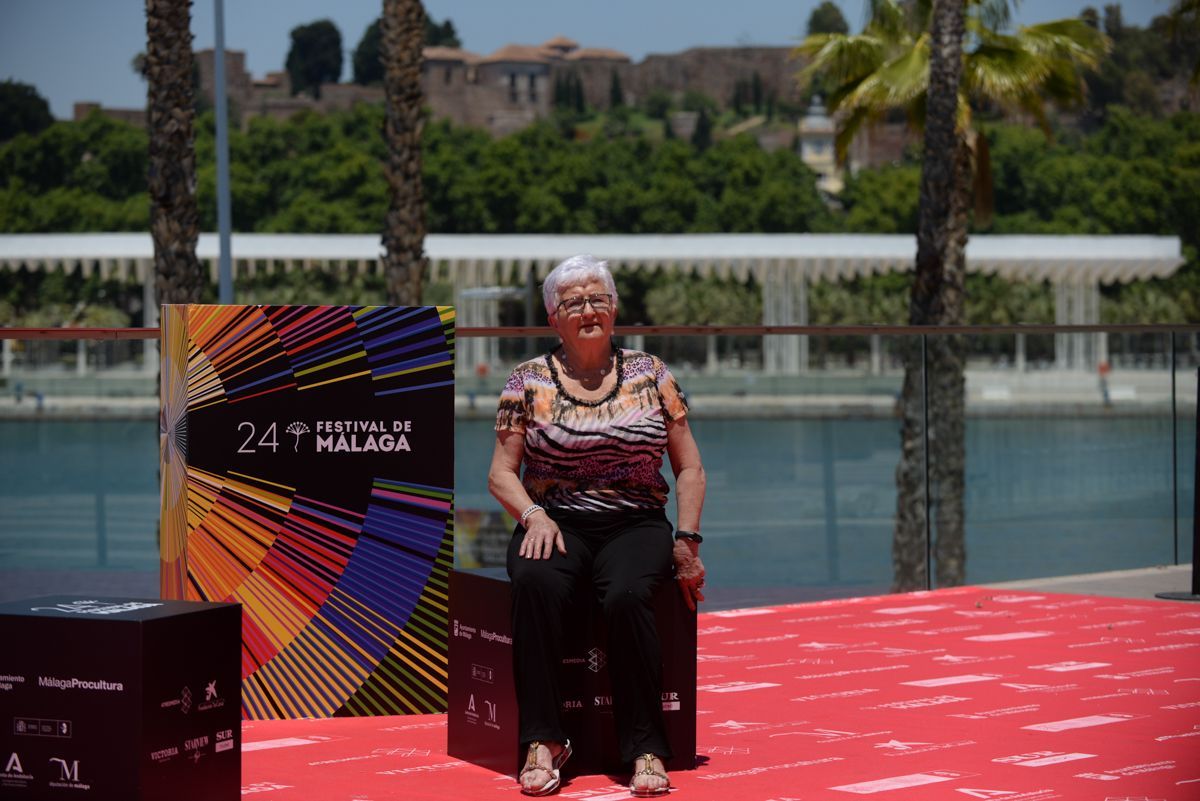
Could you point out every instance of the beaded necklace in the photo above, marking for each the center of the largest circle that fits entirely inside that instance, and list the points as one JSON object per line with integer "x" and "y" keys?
{"x": 620, "y": 360}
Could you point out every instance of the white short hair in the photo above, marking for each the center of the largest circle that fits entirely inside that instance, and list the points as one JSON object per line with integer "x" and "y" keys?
{"x": 576, "y": 270}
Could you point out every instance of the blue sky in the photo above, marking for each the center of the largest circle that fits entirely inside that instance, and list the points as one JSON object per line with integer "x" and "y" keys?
{"x": 75, "y": 50}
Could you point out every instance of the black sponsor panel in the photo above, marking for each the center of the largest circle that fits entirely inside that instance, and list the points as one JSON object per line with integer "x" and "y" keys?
{"x": 482, "y": 715}
{"x": 118, "y": 698}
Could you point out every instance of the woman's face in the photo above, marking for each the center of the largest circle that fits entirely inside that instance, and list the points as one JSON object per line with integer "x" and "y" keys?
{"x": 576, "y": 321}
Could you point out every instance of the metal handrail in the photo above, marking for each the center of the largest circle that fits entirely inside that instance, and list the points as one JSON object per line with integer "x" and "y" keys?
{"x": 687, "y": 330}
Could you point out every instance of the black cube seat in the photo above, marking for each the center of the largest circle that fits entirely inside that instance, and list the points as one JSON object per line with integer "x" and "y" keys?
{"x": 120, "y": 698}
{"x": 482, "y": 711}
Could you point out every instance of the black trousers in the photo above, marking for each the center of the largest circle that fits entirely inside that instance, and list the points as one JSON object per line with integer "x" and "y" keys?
{"x": 624, "y": 556}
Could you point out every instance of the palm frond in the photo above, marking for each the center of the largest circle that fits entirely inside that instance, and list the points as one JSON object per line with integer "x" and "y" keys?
{"x": 888, "y": 20}
{"x": 1067, "y": 39}
{"x": 995, "y": 14}
{"x": 848, "y": 129}
{"x": 1001, "y": 70}
{"x": 842, "y": 59}
{"x": 896, "y": 83}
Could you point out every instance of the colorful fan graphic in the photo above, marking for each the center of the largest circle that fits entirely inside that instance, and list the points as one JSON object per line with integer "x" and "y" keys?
{"x": 307, "y": 456}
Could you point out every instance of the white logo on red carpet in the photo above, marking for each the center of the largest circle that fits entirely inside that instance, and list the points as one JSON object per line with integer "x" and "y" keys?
{"x": 1068, "y": 666}
{"x": 997, "y": 713}
{"x": 725, "y": 658}
{"x": 1009, "y": 795}
{"x": 1103, "y": 641}
{"x": 264, "y": 787}
{"x": 839, "y": 694}
{"x": 900, "y": 748}
{"x": 817, "y": 618}
{"x": 736, "y": 686}
{"x": 1114, "y": 774}
{"x": 1125, "y": 692}
{"x": 1040, "y": 688}
{"x": 945, "y": 681}
{"x": 982, "y": 613}
{"x": 1116, "y": 624}
{"x": 945, "y": 630}
{"x": 892, "y": 651}
{"x": 825, "y": 736}
{"x": 1195, "y": 732}
{"x": 883, "y": 624}
{"x": 824, "y": 646}
{"x": 910, "y": 610}
{"x": 1085, "y": 722}
{"x": 735, "y": 725}
{"x": 1137, "y": 674}
{"x": 759, "y": 610}
{"x": 1009, "y": 636}
{"x": 804, "y": 660}
{"x": 920, "y": 703}
{"x": 1178, "y": 646}
{"x": 901, "y": 782}
{"x": 1041, "y": 759}
{"x": 899, "y": 745}
{"x": 1016, "y": 599}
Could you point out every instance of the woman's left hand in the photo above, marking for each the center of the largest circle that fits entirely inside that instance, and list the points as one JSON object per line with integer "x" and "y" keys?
{"x": 689, "y": 571}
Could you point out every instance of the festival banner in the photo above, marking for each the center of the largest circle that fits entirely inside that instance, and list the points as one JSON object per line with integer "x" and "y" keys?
{"x": 307, "y": 473}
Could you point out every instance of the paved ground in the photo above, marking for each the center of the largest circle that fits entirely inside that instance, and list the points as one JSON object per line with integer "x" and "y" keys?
{"x": 1143, "y": 583}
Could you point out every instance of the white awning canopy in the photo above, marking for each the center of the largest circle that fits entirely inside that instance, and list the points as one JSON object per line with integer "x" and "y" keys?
{"x": 470, "y": 260}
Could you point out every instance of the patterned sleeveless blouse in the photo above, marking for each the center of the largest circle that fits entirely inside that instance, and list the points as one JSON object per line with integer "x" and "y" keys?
{"x": 593, "y": 456}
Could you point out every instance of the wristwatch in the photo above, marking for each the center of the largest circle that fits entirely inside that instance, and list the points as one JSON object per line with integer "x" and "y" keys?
{"x": 694, "y": 536}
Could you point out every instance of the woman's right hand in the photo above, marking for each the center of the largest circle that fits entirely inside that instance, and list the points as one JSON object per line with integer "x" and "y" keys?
{"x": 541, "y": 537}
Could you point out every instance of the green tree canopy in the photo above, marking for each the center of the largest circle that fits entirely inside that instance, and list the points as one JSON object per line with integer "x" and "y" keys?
{"x": 441, "y": 35}
{"x": 827, "y": 18}
{"x": 22, "y": 110}
{"x": 315, "y": 56}
{"x": 367, "y": 66}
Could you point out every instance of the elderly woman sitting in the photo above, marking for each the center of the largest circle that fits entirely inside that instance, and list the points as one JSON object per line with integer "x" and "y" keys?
{"x": 590, "y": 422}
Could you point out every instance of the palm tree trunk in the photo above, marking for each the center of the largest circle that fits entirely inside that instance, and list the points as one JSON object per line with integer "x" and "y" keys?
{"x": 403, "y": 35}
{"x": 937, "y": 299}
{"x": 174, "y": 220}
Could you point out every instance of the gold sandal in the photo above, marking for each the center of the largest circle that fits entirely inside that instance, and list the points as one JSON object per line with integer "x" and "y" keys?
{"x": 556, "y": 763}
{"x": 648, "y": 770}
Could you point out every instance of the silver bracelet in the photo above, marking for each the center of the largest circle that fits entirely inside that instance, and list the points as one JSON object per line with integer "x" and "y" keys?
{"x": 533, "y": 508}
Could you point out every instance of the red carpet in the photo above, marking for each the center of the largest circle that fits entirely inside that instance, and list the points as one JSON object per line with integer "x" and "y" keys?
{"x": 955, "y": 694}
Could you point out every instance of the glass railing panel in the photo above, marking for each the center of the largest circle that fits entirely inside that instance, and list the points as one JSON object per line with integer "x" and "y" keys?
{"x": 79, "y": 500}
{"x": 800, "y": 460}
{"x": 1187, "y": 377}
{"x": 1068, "y": 464}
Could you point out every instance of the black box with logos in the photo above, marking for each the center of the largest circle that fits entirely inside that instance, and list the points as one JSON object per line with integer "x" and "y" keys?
{"x": 482, "y": 708}
{"x": 118, "y": 698}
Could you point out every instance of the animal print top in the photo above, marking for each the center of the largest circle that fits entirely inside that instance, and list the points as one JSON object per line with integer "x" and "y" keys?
{"x": 585, "y": 457}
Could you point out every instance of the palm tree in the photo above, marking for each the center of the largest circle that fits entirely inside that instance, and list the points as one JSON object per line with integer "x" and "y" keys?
{"x": 174, "y": 220}
{"x": 933, "y": 58}
{"x": 403, "y": 28}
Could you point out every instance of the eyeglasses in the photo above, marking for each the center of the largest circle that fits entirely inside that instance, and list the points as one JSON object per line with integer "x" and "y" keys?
{"x": 599, "y": 303}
